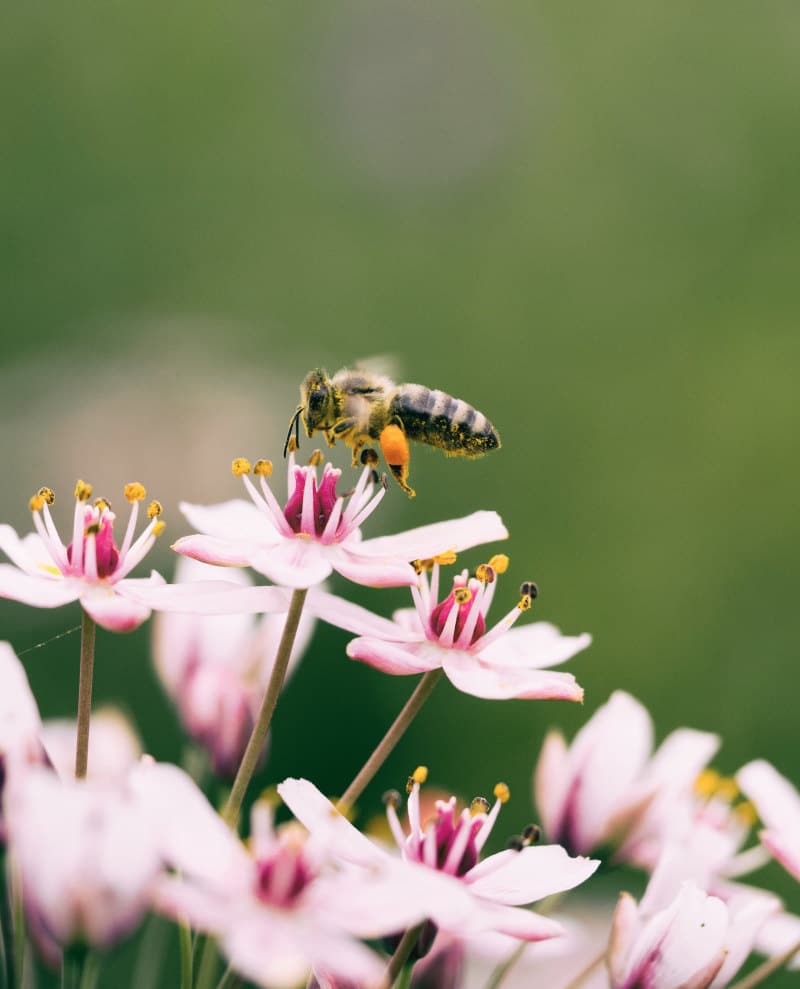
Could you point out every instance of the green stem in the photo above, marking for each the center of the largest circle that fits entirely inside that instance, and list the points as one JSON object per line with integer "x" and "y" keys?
{"x": 410, "y": 710}
{"x": 91, "y": 971}
{"x": 229, "y": 980}
{"x": 185, "y": 940}
{"x": 147, "y": 970}
{"x": 584, "y": 974}
{"x": 498, "y": 976}
{"x": 758, "y": 975}
{"x": 6, "y": 925}
{"x": 400, "y": 957}
{"x": 18, "y": 922}
{"x": 85, "y": 694}
{"x": 255, "y": 745}
{"x": 207, "y": 969}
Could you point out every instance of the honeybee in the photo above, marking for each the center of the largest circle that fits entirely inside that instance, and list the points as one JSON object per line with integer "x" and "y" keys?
{"x": 361, "y": 407}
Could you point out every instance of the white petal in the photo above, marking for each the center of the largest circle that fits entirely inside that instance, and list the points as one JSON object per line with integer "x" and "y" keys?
{"x": 428, "y": 541}
{"x": 551, "y": 782}
{"x": 520, "y": 877}
{"x": 353, "y": 618}
{"x": 19, "y": 716}
{"x": 395, "y": 657}
{"x": 465, "y": 671}
{"x": 112, "y": 609}
{"x": 372, "y": 571}
{"x": 231, "y": 520}
{"x": 534, "y": 647}
{"x": 777, "y": 800}
{"x": 296, "y": 563}
{"x": 41, "y": 592}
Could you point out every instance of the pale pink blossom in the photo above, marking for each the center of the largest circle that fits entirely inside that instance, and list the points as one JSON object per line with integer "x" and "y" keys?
{"x": 609, "y": 787}
{"x": 216, "y": 667}
{"x": 317, "y": 531}
{"x": 496, "y": 663}
{"x": 278, "y": 907}
{"x": 679, "y": 935}
{"x": 778, "y": 804}
{"x": 439, "y": 873}
{"x": 114, "y": 751}
{"x": 92, "y": 568}
{"x": 87, "y": 853}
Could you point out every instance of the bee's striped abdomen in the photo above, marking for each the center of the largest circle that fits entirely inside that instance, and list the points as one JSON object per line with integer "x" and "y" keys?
{"x": 436, "y": 418}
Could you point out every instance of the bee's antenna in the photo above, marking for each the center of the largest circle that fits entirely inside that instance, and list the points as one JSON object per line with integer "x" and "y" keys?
{"x": 294, "y": 422}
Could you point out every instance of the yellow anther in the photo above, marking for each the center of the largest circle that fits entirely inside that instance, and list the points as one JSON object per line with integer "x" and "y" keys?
{"x": 270, "y": 796}
{"x": 499, "y": 563}
{"x": 48, "y": 494}
{"x": 479, "y": 805}
{"x": 446, "y": 559}
{"x": 525, "y": 602}
{"x": 135, "y": 492}
{"x": 462, "y": 594}
{"x": 420, "y": 774}
{"x": 83, "y": 491}
{"x": 291, "y": 446}
{"x": 240, "y": 466}
{"x": 262, "y": 468}
{"x": 102, "y": 505}
{"x": 316, "y": 459}
{"x": 727, "y": 790}
{"x": 707, "y": 782}
{"x": 159, "y": 527}
{"x": 747, "y": 813}
{"x": 37, "y": 503}
{"x": 485, "y": 573}
{"x": 502, "y": 792}
{"x": 154, "y": 509}
{"x": 419, "y": 566}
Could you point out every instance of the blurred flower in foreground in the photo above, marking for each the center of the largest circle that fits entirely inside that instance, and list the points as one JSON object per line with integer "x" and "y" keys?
{"x": 87, "y": 853}
{"x": 439, "y": 873}
{"x": 277, "y": 908}
{"x": 300, "y": 544}
{"x": 216, "y": 668}
{"x": 452, "y": 634}
{"x": 778, "y": 805}
{"x": 115, "y": 747}
{"x": 607, "y": 787}
{"x": 91, "y": 568}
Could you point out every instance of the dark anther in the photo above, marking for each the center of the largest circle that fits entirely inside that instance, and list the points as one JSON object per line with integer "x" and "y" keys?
{"x": 528, "y": 589}
{"x": 515, "y": 843}
{"x": 531, "y": 834}
{"x": 369, "y": 456}
{"x": 391, "y": 798}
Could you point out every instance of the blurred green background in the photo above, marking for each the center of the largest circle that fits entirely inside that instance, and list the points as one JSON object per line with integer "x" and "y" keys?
{"x": 583, "y": 220}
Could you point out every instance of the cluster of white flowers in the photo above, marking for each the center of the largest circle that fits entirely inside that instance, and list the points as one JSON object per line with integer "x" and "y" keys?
{"x": 87, "y": 854}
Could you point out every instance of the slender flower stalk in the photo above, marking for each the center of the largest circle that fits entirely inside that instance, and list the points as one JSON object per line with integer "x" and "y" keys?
{"x": 258, "y": 737}
{"x": 398, "y": 728}
{"x": 582, "y": 976}
{"x": 401, "y": 955}
{"x": 498, "y": 976}
{"x": 758, "y": 975}
{"x": 85, "y": 677}
{"x": 185, "y": 939}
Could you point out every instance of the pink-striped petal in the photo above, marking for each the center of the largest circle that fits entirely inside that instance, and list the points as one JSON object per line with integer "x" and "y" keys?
{"x": 112, "y": 609}
{"x": 428, "y": 541}
{"x": 41, "y": 592}
{"x": 231, "y": 520}
{"x": 534, "y": 647}
{"x": 466, "y": 672}
{"x": 28, "y": 553}
{"x": 372, "y": 571}
{"x": 210, "y": 549}
{"x": 519, "y": 877}
{"x": 551, "y": 782}
{"x": 395, "y": 657}
{"x": 211, "y": 597}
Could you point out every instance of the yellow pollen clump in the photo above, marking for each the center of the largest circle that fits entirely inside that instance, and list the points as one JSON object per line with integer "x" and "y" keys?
{"x": 446, "y": 559}
{"x": 499, "y": 563}
{"x": 37, "y": 503}
{"x": 485, "y": 573}
{"x": 479, "y": 805}
{"x": 48, "y": 494}
{"x": 747, "y": 813}
{"x": 727, "y": 790}
{"x": 316, "y": 459}
{"x": 83, "y": 491}
{"x": 502, "y": 792}
{"x": 291, "y": 446}
{"x": 240, "y": 466}
{"x": 159, "y": 527}
{"x": 707, "y": 782}
{"x": 419, "y": 566}
{"x": 420, "y": 774}
{"x": 154, "y": 509}
{"x": 101, "y": 504}
{"x": 462, "y": 595}
{"x": 525, "y": 602}
{"x": 262, "y": 468}
{"x": 135, "y": 492}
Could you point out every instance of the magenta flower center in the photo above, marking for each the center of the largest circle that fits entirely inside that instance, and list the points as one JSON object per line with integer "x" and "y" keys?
{"x": 105, "y": 547}
{"x": 450, "y": 830}
{"x": 281, "y": 879}
{"x": 323, "y": 499}
{"x": 442, "y": 611}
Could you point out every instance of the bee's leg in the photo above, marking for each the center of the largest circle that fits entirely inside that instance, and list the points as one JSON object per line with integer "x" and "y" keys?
{"x": 357, "y": 447}
{"x": 330, "y": 439}
{"x": 394, "y": 447}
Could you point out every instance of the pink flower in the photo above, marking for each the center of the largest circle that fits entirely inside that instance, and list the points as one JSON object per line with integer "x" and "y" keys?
{"x": 778, "y": 805}
{"x": 91, "y": 568}
{"x": 497, "y": 663}
{"x": 114, "y": 751}
{"x": 608, "y": 787}
{"x": 279, "y": 908}
{"x": 318, "y": 531}
{"x": 87, "y": 854}
{"x": 216, "y": 668}
{"x": 440, "y": 875}
{"x": 679, "y": 935}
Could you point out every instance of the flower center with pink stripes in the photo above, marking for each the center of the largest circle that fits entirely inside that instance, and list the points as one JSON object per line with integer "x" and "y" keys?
{"x": 283, "y": 876}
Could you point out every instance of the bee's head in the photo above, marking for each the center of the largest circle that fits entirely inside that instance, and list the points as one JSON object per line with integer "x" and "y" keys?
{"x": 318, "y": 398}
